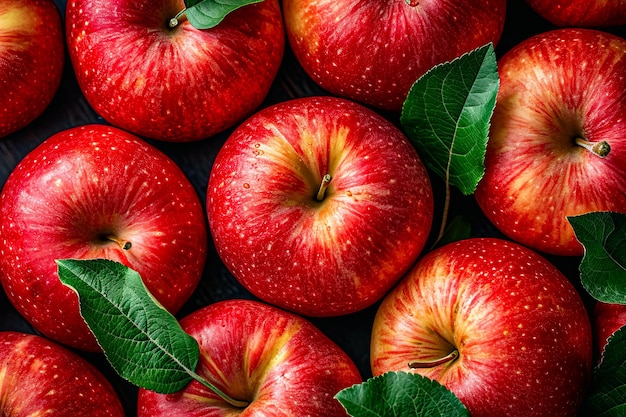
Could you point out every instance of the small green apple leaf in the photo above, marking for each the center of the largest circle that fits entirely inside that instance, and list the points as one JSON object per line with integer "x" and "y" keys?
{"x": 206, "y": 14}
{"x": 400, "y": 394}
{"x": 447, "y": 115}
{"x": 607, "y": 391}
{"x": 143, "y": 342}
{"x": 603, "y": 267}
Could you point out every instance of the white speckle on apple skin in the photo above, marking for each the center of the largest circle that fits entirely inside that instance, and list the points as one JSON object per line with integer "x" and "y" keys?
{"x": 32, "y": 61}
{"x": 70, "y": 192}
{"x": 541, "y": 108}
{"x": 42, "y": 378}
{"x": 312, "y": 242}
{"x": 403, "y": 44}
{"x": 185, "y": 84}
{"x": 488, "y": 315}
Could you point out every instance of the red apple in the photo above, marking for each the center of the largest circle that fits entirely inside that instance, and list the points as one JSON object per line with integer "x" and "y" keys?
{"x": 278, "y": 362}
{"x": 96, "y": 192}
{"x": 39, "y": 377}
{"x": 31, "y": 60}
{"x": 300, "y": 242}
{"x": 373, "y": 52}
{"x": 582, "y": 13}
{"x": 560, "y": 106}
{"x": 607, "y": 318}
{"x": 173, "y": 84}
{"x": 495, "y": 323}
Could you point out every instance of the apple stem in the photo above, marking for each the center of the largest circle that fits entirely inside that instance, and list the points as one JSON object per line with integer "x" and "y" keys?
{"x": 321, "y": 193}
{"x": 124, "y": 244}
{"x": 431, "y": 364}
{"x": 600, "y": 149}
{"x": 174, "y": 21}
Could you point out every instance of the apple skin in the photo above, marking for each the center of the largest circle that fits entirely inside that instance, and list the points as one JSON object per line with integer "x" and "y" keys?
{"x": 554, "y": 87}
{"x": 581, "y": 13}
{"x": 31, "y": 60}
{"x": 607, "y": 318}
{"x": 519, "y": 326}
{"x": 318, "y": 258}
{"x": 67, "y": 195}
{"x": 180, "y": 84}
{"x": 255, "y": 352}
{"x": 40, "y": 377}
{"x": 372, "y": 52}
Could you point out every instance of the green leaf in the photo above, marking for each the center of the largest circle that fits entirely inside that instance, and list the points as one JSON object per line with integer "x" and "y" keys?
{"x": 143, "y": 342}
{"x": 447, "y": 115}
{"x": 603, "y": 267}
{"x": 206, "y": 14}
{"x": 607, "y": 392}
{"x": 400, "y": 394}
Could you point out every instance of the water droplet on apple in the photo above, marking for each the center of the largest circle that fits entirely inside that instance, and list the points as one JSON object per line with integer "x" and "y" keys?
{"x": 246, "y": 185}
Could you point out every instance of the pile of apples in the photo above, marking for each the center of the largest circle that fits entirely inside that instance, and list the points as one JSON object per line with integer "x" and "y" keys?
{"x": 256, "y": 175}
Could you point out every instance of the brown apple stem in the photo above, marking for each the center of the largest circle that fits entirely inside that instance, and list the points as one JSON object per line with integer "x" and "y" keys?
{"x": 321, "y": 193}
{"x": 174, "y": 21}
{"x": 431, "y": 364}
{"x": 124, "y": 244}
{"x": 600, "y": 149}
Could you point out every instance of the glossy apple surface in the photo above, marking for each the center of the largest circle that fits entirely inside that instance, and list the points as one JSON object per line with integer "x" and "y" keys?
{"x": 328, "y": 254}
{"x": 558, "y": 90}
{"x": 372, "y": 51}
{"x": 96, "y": 192}
{"x": 39, "y": 377}
{"x": 31, "y": 60}
{"x": 517, "y": 326}
{"x": 607, "y": 318}
{"x": 277, "y": 361}
{"x": 174, "y": 84}
{"x": 581, "y": 13}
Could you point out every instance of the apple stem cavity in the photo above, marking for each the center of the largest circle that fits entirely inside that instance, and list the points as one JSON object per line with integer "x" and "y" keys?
{"x": 124, "y": 244}
{"x": 600, "y": 149}
{"x": 431, "y": 364}
{"x": 321, "y": 193}
{"x": 174, "y": 21}
{"x": 412, "y": 3}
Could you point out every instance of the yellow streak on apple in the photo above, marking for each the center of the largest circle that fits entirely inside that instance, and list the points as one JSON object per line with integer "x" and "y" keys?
{"x": 322, "y": 213}
{"x": 14, "y": 21}
{"x": 249, "y": 374}
{"x": 5, "y": 379}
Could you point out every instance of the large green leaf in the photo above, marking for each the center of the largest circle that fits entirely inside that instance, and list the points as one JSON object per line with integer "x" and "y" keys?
{"x": 143, "y": 342}
{"x": 206, "y": 14}
{"x": 447, "y": 115}
{"x": 607, "y": 391}
{"x": 603, "y": 267}
{"x": 400, "y": 394}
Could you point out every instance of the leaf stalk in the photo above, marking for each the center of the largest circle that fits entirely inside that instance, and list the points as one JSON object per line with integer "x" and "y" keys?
{"x": 231, "y": 401}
